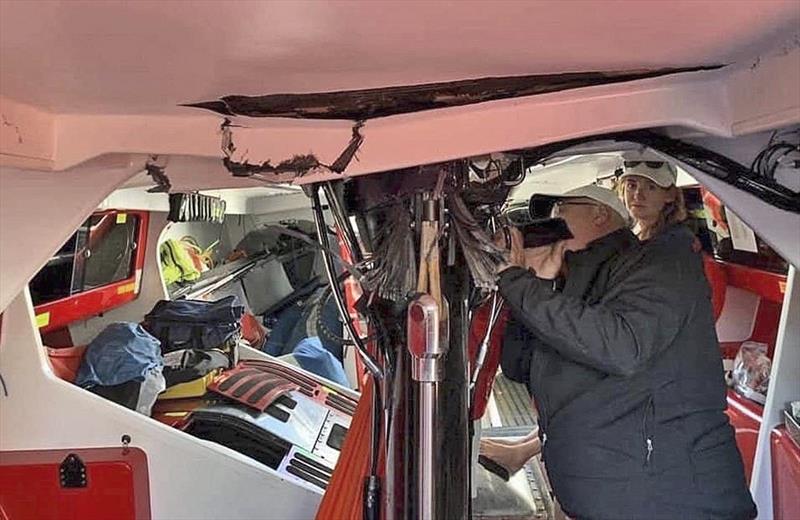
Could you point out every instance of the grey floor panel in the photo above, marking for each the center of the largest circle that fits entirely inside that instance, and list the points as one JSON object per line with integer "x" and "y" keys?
{"x": 513, "y": 403}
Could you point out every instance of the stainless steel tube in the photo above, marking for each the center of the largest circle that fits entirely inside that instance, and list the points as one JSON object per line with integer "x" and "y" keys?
{"x": 427, "y": 363}
{"x": 428, "y": 451}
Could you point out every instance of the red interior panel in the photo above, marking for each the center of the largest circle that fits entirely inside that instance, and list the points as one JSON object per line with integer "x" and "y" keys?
{"x": 84, "y": 305}
{"x": 785, "y": 475}
{"x": 718, "y": 280}
{"x": 771, "y": 286}
{"x": 745, "y": 416}
{"x": 116, "y": 485}
{"x": 765, "y": 329}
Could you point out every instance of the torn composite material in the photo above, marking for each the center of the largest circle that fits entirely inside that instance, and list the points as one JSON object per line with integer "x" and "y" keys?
{"x": 361, "y": 105}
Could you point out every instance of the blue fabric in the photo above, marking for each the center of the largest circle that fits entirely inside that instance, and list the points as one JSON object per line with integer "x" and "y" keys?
{"x": 312, "y": 356}
{"x": 291, "y": 328}
{"x": 329, "y": 316}
{"x": 280, "y": 339}
{"x": 122, "y": 352}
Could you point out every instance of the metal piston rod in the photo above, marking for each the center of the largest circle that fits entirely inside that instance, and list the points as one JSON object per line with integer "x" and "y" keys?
{"x": 427, "y": 369}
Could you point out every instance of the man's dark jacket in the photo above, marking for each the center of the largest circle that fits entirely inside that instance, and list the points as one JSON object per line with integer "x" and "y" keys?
{"x": 625, "y": 368}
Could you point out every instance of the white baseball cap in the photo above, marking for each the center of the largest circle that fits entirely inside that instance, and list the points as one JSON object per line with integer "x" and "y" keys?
{"x": 591, "y": 191}
{"x": 650, "y": 167}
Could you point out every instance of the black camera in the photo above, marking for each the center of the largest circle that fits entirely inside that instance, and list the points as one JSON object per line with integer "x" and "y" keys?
{"x": 535, "y": 222}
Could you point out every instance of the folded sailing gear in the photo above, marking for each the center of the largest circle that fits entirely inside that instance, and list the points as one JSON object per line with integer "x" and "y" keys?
{"x": 203, "y": 258}
{"x": 312, "y": 356}
{"x": 123, "y": 364}
{"x": 194, "y": 388}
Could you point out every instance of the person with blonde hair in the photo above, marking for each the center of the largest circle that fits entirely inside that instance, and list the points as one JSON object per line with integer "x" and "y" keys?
{"x": 648, "y": 188}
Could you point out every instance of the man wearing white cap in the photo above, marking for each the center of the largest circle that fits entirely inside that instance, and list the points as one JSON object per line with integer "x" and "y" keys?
{"x": 598, "y": 221}
{"x": 591, "y": 212}
{"x": 623, "y": 362}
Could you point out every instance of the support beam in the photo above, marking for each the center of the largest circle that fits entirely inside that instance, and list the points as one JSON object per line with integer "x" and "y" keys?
{"x": 784, "y": 387}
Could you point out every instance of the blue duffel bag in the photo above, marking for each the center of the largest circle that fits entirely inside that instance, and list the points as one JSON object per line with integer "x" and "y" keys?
{"x": 195, "y": 324}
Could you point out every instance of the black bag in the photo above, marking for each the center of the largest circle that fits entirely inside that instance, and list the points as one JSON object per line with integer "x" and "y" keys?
{"x": 196, "y": 336}
{"x": 195, "y": 324}
{"x": 126, "y": 394}
{"x": 186, "y": 365}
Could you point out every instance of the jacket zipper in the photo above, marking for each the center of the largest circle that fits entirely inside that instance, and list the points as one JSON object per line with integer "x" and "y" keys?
{"x": 646, "y": 433}
{"x": 537, "y": 360}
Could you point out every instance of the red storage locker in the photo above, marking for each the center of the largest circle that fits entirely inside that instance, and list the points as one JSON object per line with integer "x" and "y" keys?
{"x": 77, "y": 484}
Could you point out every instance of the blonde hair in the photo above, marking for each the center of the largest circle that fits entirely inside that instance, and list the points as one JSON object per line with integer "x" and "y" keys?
{"x": 672, "y": 213}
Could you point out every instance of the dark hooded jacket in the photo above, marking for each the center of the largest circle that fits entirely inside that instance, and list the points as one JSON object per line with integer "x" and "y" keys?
{"x": 625, "y": 368}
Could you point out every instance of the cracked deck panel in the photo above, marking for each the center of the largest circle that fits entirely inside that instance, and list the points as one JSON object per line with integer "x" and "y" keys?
{"x": 361, "y": 105}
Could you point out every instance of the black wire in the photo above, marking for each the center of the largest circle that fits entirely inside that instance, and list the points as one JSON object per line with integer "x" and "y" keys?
{"x": 3, "y": 382}
{"x": 771, "y": 163}
{"x": 766, "y": 162}
{"x": 770, "y": 172}
{"x": 377, "y": 413}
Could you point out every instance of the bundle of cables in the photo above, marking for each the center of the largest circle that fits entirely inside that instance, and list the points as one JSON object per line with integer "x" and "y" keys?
{"x": 779, "y": 152}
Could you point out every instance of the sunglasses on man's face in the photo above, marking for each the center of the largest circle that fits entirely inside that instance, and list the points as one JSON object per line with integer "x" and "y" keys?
{"x": 561, "y": 203}
{"x": 558, "y": 206}
{"x": 650, "y": 164}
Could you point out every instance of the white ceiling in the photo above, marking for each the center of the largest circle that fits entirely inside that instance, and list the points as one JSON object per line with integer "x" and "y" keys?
{"x": 147, "y": 56}
{"x": 568, "y": 173}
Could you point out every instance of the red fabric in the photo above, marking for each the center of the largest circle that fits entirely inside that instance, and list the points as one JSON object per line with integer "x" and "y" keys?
{"x": 344, "y": 497}
{"x": 477, "y": 331}
{"x": 253, "y": 331}
{"x": 66, "y": 361}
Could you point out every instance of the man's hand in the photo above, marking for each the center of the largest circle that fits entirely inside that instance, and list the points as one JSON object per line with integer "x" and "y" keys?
{"x": 515, "y": 254}
{"x": 547, "y": 260}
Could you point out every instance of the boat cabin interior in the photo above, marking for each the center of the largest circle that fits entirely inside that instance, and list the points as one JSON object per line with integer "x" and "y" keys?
{"x": 141, "y": 245}
{"x": 278, "y": 298}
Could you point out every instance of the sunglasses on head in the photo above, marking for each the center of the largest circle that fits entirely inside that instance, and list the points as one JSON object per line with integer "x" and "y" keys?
{"x": 650, "y": 164}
